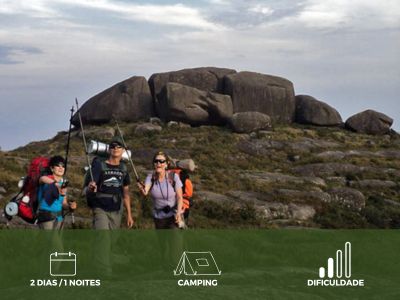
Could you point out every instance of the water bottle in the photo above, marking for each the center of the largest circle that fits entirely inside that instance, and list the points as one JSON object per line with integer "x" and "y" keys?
{"x": 26, "y": 199}
{"x": 21, "y": 182}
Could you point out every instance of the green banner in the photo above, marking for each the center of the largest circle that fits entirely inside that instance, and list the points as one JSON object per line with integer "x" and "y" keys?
{"x": 220, "y": 264}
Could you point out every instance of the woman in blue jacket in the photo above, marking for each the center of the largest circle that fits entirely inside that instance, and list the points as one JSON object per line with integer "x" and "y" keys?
{"x": 53, "y": 196}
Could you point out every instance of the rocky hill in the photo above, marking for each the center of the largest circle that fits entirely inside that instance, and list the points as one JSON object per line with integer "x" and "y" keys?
{"x": 286, "y": 176}
{"x": 265, "y": 157}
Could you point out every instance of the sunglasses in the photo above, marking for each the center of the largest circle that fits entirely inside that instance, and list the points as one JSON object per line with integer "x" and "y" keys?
{"x": 115, "y": 146}
{"x": 60, "y": 165}
{"x": 160, "y": 161}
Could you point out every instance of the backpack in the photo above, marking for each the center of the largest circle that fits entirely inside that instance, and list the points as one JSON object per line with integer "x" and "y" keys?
{"x": 187, "y": 188}
{"x": 91, "y": 198}
{"x": 26, "y": 199}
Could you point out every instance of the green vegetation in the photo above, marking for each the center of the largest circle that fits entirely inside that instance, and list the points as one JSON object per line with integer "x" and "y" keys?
{"x": 221, "y": 165}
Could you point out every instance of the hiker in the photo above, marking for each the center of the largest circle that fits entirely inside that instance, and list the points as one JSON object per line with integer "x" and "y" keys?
{"x": 166, "y": 191}
{"x": 109, "y": 188}
{"x": 52, "y": 196}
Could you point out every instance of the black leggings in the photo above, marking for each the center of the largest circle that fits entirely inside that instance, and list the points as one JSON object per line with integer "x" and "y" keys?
{"x": 166, "y": 223}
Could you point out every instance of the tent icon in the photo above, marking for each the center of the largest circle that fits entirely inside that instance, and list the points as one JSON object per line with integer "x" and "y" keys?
{"x": 197, "y": 263}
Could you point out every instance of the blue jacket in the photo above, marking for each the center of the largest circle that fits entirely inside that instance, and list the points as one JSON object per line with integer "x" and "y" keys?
{"x": 50, "y": 199}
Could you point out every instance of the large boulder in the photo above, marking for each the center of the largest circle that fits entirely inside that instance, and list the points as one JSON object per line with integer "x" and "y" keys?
{"x": 270, "y": 209}
{"x": 262, "y": 147}
{"x": 265, "y": 208}
{"x": 369, "y": 122}
{"x": 373, "y": 184}
{"x": 329, "y": 169}
{"x": 206, "y": 79}
{"x": 269, "y": 177}
{"x": 246, "y": 122}
{"x": 343, "y": 169}
{"x": 267, "y": 94}
{"x": 128, "y": 101}
{"x": 186, "y": 104}
{"x": 147, "y": 127}
{"x": 312, "y": 111}
{"x": 338, "y": 155}
{"x": 348, "y": 197}
{"x": 301, "y": 212}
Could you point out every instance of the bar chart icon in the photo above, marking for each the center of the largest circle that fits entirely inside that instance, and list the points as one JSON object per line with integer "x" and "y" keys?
{"x": 341, "y": 267}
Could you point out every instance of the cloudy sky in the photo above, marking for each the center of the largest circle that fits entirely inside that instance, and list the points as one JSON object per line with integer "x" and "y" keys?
{"x": 345, "y": 53}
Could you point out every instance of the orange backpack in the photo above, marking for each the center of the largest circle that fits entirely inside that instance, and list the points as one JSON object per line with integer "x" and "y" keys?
{"x": 187, "y": 188}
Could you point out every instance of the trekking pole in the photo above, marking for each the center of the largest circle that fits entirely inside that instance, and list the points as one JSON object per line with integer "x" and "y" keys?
{"x": 127, "y": 152}
{"x": 84, "y": 139}
{"x": 130, "y": 160}
{"x": 66, "y": 158}
{"x": 65, "y": 181}
{"x": 68, "y": 140}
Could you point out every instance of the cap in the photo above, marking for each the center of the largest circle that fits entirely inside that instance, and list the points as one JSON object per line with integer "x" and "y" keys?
{"x": 117, "y": 140}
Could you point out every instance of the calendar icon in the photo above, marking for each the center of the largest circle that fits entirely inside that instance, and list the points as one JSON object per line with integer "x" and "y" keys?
{"x": 62, "y": 264}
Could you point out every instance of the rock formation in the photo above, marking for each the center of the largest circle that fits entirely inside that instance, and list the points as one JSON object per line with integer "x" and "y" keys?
{"x": 311, "y": 111}
{"x": 128, "y": 101}
{"x": 271, "y": 95}
{"x": 177, "y": 102}
{"x": 370, "y": 122}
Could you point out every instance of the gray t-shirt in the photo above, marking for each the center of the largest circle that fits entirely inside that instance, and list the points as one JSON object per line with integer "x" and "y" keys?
{"x": 163, "y": 194}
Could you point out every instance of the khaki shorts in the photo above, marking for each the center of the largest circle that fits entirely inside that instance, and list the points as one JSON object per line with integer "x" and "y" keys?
{"x": 106, "y": 220}
{"x": 50, "y": 225}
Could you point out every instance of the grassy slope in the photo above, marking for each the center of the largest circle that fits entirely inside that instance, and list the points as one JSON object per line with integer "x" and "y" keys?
{"x": 220, "y": 165}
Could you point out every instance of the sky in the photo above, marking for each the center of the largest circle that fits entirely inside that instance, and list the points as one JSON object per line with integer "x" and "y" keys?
{"x": 345, "y": 53}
